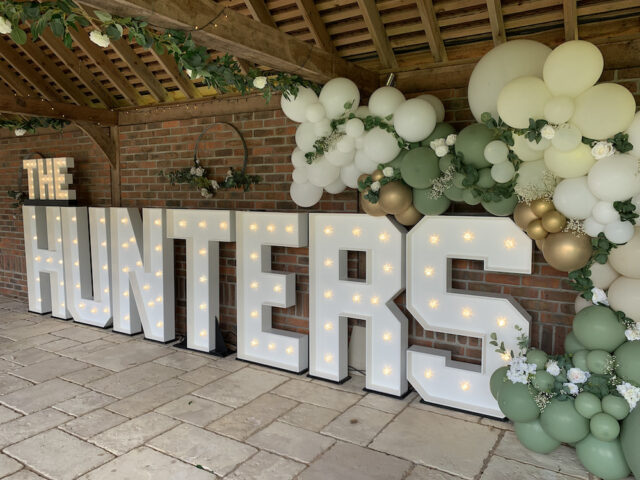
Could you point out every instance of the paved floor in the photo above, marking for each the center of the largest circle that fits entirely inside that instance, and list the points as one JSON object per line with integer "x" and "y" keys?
{"x": 79, "y": 402}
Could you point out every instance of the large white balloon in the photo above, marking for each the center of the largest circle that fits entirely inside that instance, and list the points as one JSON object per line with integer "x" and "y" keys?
{"x": 322, "y": 173}
{"x": 363, "y": 163}
{"x": 510, "y": 60}
{"x": 618, "y": 232}
{"x": 634, "y": 135}
{"x": 336, "y": 187}
{"x": 322, "y": 127}
{"x": 574, "y": 163}
{"x": 573, "y": 67}
{"x": 354, "y": 127}
{"x": 385, "y": 100}
{"x": 522, "y": 99}
{"x": 414, "y": 120}
{"x": 437, "y": 105}
{"x": 349, "y": 175}
{"x": 346, "y": 144}
{"x": 566, "y": 138}
{"x": 300, "y": 174}
{"x": 522, "y": 149}
{"x": 298, "y": 159}
{"x": 604, "y": 213}
{"x": 306, "y": 136}
{"x": 558, "y": 110}
{"x": 591, "y": 227}
{"x": 625, "y": 259}
{"x": 602, "y": 275}
{"x": 623, "y": 296}
{"x": 305, "y": 194}
{"x": 573, "y": 198}
{"x": 615, "y": 177}
{"x": 362, "y": 111}
{"x": 604, "y": 110}
{"x": 380, "y": 145}
{"x": 315, "y": 112}
{"x": 337, "y": 93}
{"x": 296, "y": 108}
{"x": 338, "y": 158}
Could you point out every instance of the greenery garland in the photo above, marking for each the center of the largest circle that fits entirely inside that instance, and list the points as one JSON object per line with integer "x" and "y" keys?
{"x": 20, "y": 127}
{"x": 197, "y": 177}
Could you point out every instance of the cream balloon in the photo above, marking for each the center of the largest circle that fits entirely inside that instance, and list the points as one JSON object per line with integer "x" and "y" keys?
{"x": 604, "y": 110}
{"x": 522, "y": 99}
{"x": 623, "y": 296}
{"x": 298, "y": 159}
{"x": 602, "y": 275}
{"x": 363, "y": 163}
{"x": 306, "y": 136}
{"x": 503, "y": 172}
{"x": 496, "y": 151}
{"x": 336, "y": 187}
{"x": 634, "y": 135}
{"x": 300, "y": 175}
{"x": 305, "y": 194}
{"x": 573, "y": 198}
{"x": 581, "y": 303}
{"x": 618, "y": 232}
{"x": 337, "y": 93}
{"x": 625, "y": 259}
{"x": 541, "y": 144}
{"x": 385, "y": 100}
{"x": 615, "y": 178}
{"x": 414, "y": 120}
{"x": 591, "y": 227}
{"x": 437, "y": 105}
{"x": 572, "y": 68}
{"x": 322, "y": 173}
{"x": 574, "y": 163}
{"x": 380, "y": 145}
{"x": 295, "y": 108}
{"x": 530, "y": 175}
{"x": 604, "y": 213}
{"x": 349, "y": 175}
{"x": 354, "y": 127}
{"x": 315, "y": 112}
{"x": 522, "y": 149}
{"x": 566, "y": 138}
{"x": 558, "y": 110}
{"x": 510, "y": 60}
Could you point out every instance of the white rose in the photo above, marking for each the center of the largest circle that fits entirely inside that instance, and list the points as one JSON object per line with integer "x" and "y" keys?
{"x": 5, "y": 26}
{"x": 260, "y": 82}
{"x": 192, "y": 171}
{"x": 214, "y": 185}
{"x": 599, "y": 297}
{"x": 602, "y": 149}
{"x": 229, "y": 174}
{"x": 575, "y": 375}
{"x": 99, "y": 38}
{"x": 375, "y": 186}
{"x": 633, "y": 333}
{"x": 387, "y": 171}
{"x": 630, "y": 393}
{"x": 199, "y": 171}
{"x": 189, "y": 72}
{"x": 451, "y": 139}
{"x": 205, "y": 193}
{"x": 441, "y": 150}
{"x": 547, "y": 132}
{"x": 437, "y": 142}
{"x": 553, "y": 368}
{"x": 19, "y": 132}
{"x": 572, "y": 388}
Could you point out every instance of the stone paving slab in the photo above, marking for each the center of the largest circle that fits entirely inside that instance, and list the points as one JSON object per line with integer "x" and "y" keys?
{"x": 267, "y": 466}
{"x": 504, "y": 469}
{"x": 317, "y": 394}
{"x": 43, "y": 395}
{"x": 8, "y": 466}
{"x": 309, "y": 417}
{"x": 23, "y": 475}
{"x": 30, "y": 425}
{"x": 93, "y": 423}
{"x": 147, "y": 400}
{"x": 194, "y": 410}
{"x": 123, "y": 356}
{"x": 49, "y": 369}
{"x": 289, "y": 441}
{"x": 358, "y": 425}
{"x": 134, "y": 380}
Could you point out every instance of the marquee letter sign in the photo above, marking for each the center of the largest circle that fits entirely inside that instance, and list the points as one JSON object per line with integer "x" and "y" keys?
{"x": 48, "y": 179}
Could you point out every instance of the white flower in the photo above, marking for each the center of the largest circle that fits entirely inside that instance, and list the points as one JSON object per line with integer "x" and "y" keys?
{"x": 553, "y": 368}
{"x": 547, "y": 132}
{"x": 387, "y": 171}
{"x": 205, "y": 193}
{"x": 575, "y": 375}
{"x": 437, "y": 143}
{"x": 519, "y": 370}
{"x": 229, "y": 174}
{"x": 19, "y": 132}
{"x": 599, "y": 297}
{"x": 375, "y": 186}
{"x": 633, "y": 333}
{"x": 199, "y": 171}
{"x": 189, "y": 72}
{"x": 572, "y": 388}
{"x": 214, "y": 185}
{"x": 441, "y": 150}
{"x": 192, "y": 171}
{"x": 451, "y": 139}
{"x": 99, "y": 38}
{"x": 5, "y": 26}
{"x": 260, "y": 82}
{"x": 602, "y": 149}
{"x": 630, "y": 393}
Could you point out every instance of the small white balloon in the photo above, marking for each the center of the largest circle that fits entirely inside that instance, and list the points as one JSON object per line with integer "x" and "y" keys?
{"x": 349, "y": 175}
{"x": 354, "y": 127}
{"x": 305, "y": 194}
{"x": 615, "y": 178}
{"x": 336, "y": 187}
{"x": 619, "y": 232}
{"x": 306, "y": 136}
{"x": 315, "y": 112}
{"x": 573, "y": 198}
{"x": 338, "y": 93}
{"x": 322, "y": 173}
{"x": 300, "y": 175}
{"x": 298, "y": 159}
{"x": 414, "y": 120}
{"x": 363, "y": 163}
{"x": 384, "y": 101}
{"x": 362, "y": 111}
{"x": 566, "y": 138}
{"x": 380, "y": 145}
{"x": 558, "y": 110}
{"x": 437, "y": 105}
{"x": 338, "y": 158}
{"x": 496, "y": 152}
{"x": 503, "y": 172}
{"x": 296, "y": 108}
{"x": 591, "y": 227}
{"x": 604, "y": 213}
{"x": 346, "y": 144}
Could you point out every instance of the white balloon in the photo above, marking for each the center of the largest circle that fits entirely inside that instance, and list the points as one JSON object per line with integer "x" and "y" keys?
{"x": 566, "y": 138}
{"x": 604, "y": 110}
{"x": 522, "y": 99}
{"x": 363, "y": 163}
{"x": 437, "y": 105}
{"x": 503, "y": 172}
{"x": 354, "y": 127}
{"x": 573, "y": 198}
{"x": 362, "y": 111}
{"x": 337, "y": 93}
{"x": 305, "y": 194}
{"x": 380, "y": 145}
{"x": 346, "y": 144}
{"x": 295, "y": 108}
{"x": 615, "y": 178}
{"x": 604, "y": 213}
{"x": 335, "y": 187}
{"x": 306, "y": 136}
{"x": 592, "y": 228}
{"x": 315, "y": 112}
{"x": 602, "y": 275}
{"x": 322, "y": 173}
{"x": 297, "y": 158}
{"x": 574, "y": 163}
{"x": 349, "y": 175}
{"x": 581, "y": 303}
{"x": 300, "y": 175}
{"x": 510, "y": 60}
{"x": 543, "y": 144}
{"x": 634, "y": 135}
{"x": 414, "y": 120}
{"x": 360, "y": 143}
{"x": 338, "y": 158}
{"x": 322, "y": 127}
{"x": 496, "y": 151}
{"x": 573, "y": 67}
{"x": 625, "y": 259}
{"x": 384, "y": 101}
{"x": 558, "y": 110}
{"x": 522, "y": 149}
{"x": 619, "y": 232}
{"x": 636, "y": 201}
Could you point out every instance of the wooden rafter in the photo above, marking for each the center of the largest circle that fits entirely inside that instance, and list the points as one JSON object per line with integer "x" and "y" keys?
{"x": 185, "y": 85}
{"x": 14, "y": 81}
{"x": 52, "y": 109}
{"x": 378, "y": 33}
{"x": 497, "y": 22}
{"x": 102, "y": 138}
{"x": 570, "y": 13}
{"x": 260, "y": 12}
{"x": 316, "y": 26}
{"x": 432, "y": 30}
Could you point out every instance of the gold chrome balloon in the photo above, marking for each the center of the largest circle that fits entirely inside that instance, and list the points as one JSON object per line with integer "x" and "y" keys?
{"x": 542, "y": 206}
{"x": 409, "y": 217}
{"x": 536, "y": 231}
{"x": 373, "y": 209}
{"x": 553, "y": 221}
{"x": 540, "y": 243}
{"x": 395, "y": 197}
{"x": 377, "y": 175}
{"x": 523, "y": 215}
{"x": 567, "y": 251}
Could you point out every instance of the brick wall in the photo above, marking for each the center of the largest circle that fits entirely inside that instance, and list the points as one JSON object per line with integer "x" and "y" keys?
{"x": 149, "y": 148}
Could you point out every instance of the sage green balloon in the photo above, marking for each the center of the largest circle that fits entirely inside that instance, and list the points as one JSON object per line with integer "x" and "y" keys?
{"x": 420, "y": 167}
{"x": 571, "y": 343}
{"x": 501, "y": 208}
{"x": 471, "y": 142}
{"x": 458, "y": 178}
{"x": 616, "y": 406}
{"x": 469, "y": 197}
{"x": 599, "y": 361}
{"x": 497, "y": 379}
{"x": 442, "y": 130}
{"x": 543, "y": 381}
{"x": 562, "y": 421}
{"x": 445, "y": 162}
{"x": 429, "y": 206}
{"x": 485, "y": 180}
{"x": 587, "y": 404}
{"x": 598, "y": 328}
{"x": 538, "y": 357}
{"x": 628, "y": 360}
{"x": 630, "y": 439}
{"x": 517, "y": 403}
{"x": 604, "y": 459}
{"x": 397, "y": 162}
{"x": 454, "y": 193}
{"x": 532, "y": 436}
{"x": 604, "y": 427}
{"x": 579, "y": 359}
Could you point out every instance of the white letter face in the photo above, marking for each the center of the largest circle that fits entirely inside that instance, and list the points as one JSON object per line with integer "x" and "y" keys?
{"x": 504, "y": 247}
{"x": 334, "y": 298}
{"x": 45, "y": 266}
{"x": 203, "y": 230}
{"x": 88, "y": 296}
{"x": 259, "y": 288}
{"x": 142, "y": 274}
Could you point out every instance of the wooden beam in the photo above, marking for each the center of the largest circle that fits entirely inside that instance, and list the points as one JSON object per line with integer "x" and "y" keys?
{"x": 570, "y": 12}
{"x": 102, "y": 138}
{"x": 316, "y": 26}
{"x": 378, "y": 33}
{"x": 260, "y": 12}
{"x": 14, "y": 81}
{"x": 40, "y": 108}
{"x": 223, "y": 29}
{"x": 432, "y": 30}
{"x": 116, "y": 195}
{"x": 497, "y": 23}
{"x": 185, "y": 84}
